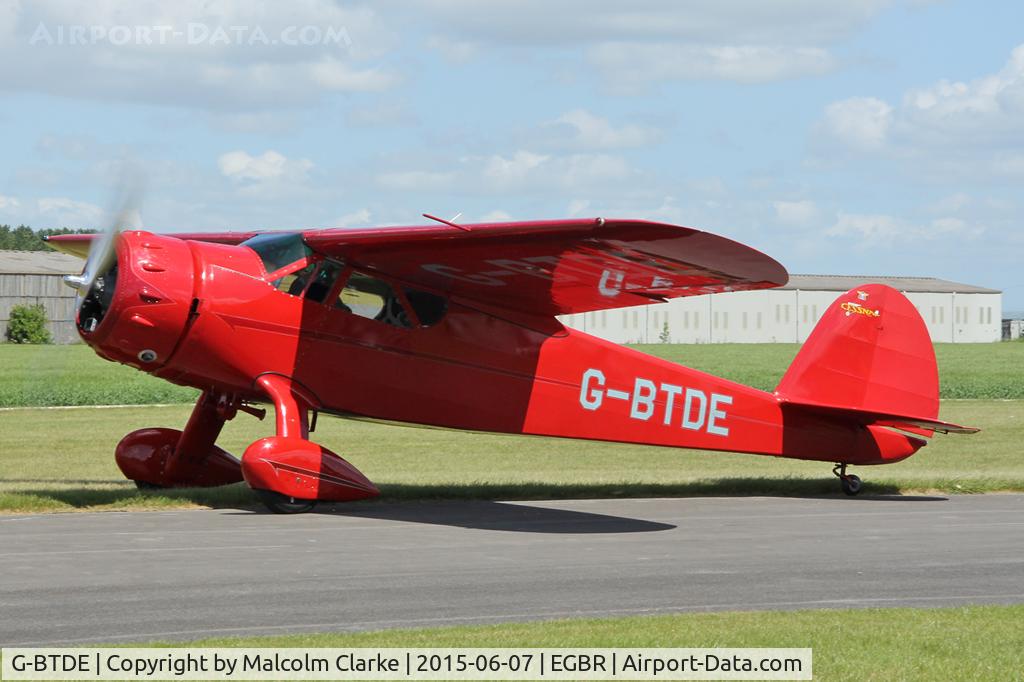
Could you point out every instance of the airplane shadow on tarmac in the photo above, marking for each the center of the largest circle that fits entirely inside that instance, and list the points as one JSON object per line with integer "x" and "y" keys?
{"x": 478, "y": 505}
{"x": 488, "y": 515}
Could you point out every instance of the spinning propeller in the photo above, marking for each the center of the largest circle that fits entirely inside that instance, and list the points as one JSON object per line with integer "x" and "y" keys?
{"x": 103, "y": 248}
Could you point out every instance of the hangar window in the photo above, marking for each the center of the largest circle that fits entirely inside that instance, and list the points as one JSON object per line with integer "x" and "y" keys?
{"x": 988, "y": 315}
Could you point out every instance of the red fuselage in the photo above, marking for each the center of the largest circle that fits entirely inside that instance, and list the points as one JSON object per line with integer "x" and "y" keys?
{"x": 212, "y": 316}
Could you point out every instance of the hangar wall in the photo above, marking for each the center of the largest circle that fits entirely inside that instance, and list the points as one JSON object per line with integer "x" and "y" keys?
{"x": 953, "y": 313}
{"x": 29, "y": 277}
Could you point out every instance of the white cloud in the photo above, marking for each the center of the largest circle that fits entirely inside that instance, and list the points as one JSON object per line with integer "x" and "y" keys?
{"x": 957, "y": 129}
{"x": 577, "y": 207}
{"x": 495, "y": 216}
{"x": 513, "y": 170}
{"x": 270, "y": 165}
{"x": 859, "y": 122}
{"x": 951, "y": 203}
{"x": 359, "y": 218}
{"x": 528, "y": 170}
{"x": 65, "y": 212}
{"x": 522, "y": 171}
{"x": 534, "y": 23}
{"x": 416, "y": 180}
{"x": 632, "y": 44}
{"x": 796, "y": 212}
{"x": 215, "y": 54}
{"x": 332, "y": 74}
{"x": 8, "y": 202}
{"x": 874, "y": 229}
{"x": 630, "y": 66}
{"x": 583, "y": 130}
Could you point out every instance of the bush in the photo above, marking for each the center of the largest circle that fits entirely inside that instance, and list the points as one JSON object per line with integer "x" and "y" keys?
{"x": 28, "y": 325}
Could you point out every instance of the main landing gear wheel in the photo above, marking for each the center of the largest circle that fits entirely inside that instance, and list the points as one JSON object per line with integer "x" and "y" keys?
{"x": 282, "y": 504}
{"x": 850, "y": 483}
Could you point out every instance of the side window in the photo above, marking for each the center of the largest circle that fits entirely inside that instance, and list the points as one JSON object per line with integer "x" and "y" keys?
{"x": 429, "y": 308}
{"x": 295, "y": 282}
{"x": 323, "y": 281}
{"x": 373, "y": 299}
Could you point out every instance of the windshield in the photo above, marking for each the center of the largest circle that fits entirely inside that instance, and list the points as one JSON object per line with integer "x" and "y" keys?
{"x": 278, "y": 249}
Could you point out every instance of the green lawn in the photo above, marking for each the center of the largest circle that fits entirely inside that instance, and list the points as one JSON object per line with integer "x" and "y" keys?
{"x": 63, "y": 459}
{"x": 74, "y": 375}
{"x": 971, "y": 643}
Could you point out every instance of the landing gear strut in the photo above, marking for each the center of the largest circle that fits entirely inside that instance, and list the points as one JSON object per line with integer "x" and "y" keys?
{"x": 287, "y": 471}
{"x": 850, "y": 483}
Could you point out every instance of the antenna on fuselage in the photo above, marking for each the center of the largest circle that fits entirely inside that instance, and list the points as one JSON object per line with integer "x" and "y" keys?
{"x": 450, "y": 223}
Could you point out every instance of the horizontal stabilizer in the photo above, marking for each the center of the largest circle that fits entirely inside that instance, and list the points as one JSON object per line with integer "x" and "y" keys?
{"x": 897, "y": 421}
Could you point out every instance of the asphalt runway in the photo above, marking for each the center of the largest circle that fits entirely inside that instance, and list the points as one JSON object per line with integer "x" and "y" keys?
{"x": 141, "y": 576}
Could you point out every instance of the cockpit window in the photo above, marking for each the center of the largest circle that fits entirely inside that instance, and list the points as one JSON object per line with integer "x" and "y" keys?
{"x": 373, "y": 299}
{"x": 294, "y": 283}
{"x": 278, "y": 249}
{"x": 324, "y": 281}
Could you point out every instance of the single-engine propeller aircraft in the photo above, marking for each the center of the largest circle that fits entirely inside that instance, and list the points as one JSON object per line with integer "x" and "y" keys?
{"x": 455, "y": 326}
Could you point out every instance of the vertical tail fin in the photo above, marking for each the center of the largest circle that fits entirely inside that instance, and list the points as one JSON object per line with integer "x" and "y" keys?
{"x": 870, "y": 356}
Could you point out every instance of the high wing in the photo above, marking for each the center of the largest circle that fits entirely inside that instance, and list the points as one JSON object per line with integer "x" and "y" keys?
{"x": 552, "y": 267}
{"x": 556, "y": 267}
{"x": 78, "y": 244}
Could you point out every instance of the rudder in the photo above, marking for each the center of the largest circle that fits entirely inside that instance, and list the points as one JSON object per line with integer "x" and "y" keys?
{"x": 869, "y": 353}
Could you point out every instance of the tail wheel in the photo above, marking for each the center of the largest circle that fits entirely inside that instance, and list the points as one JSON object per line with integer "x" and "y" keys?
{"x": 851, "y": 484}
{"x": 283, "y": 504}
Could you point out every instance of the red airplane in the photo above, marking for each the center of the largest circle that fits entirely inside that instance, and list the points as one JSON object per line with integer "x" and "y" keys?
{"x": 455, "y": 326}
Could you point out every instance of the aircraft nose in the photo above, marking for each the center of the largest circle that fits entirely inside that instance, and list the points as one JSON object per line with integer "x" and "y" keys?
{"x": 140, "y": 309}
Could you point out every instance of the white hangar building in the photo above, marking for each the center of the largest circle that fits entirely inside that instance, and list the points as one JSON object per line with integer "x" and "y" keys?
{"x": 953, "y": 312}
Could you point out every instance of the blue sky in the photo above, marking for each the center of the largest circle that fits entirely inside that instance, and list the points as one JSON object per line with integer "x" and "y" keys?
{"x": 863, "y": 137}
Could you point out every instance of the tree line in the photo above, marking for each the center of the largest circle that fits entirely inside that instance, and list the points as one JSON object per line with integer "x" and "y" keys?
{"x": 24, "y": 238}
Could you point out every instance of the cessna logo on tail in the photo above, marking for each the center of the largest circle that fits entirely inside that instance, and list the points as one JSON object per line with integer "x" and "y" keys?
{"x": 852, "y": 308}
{"x": 690, "y": 408}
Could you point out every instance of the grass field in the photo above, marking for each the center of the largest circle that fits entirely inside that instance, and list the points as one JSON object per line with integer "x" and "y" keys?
{"x": 63, "y": 459}
{"x": 74, "y": 375}
{"x": 971, "y": 643}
